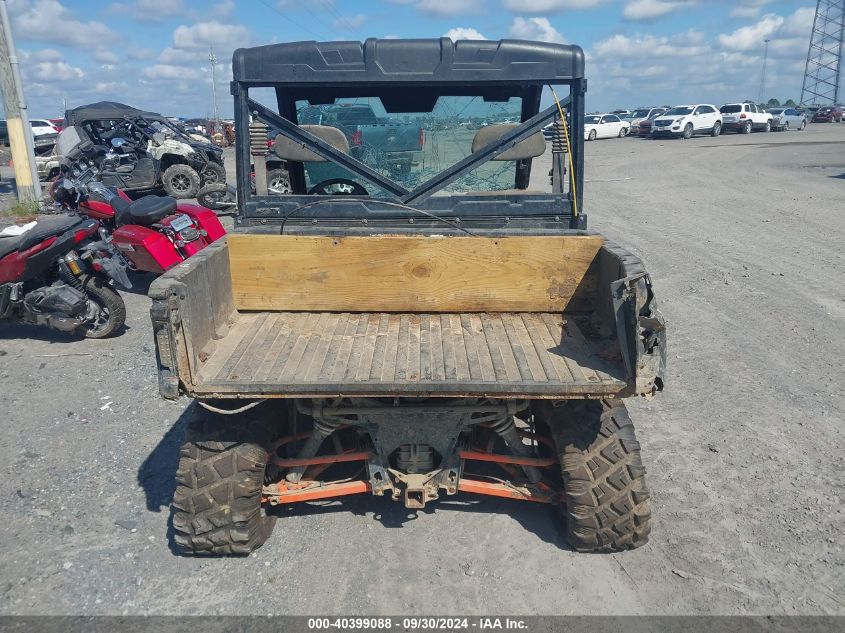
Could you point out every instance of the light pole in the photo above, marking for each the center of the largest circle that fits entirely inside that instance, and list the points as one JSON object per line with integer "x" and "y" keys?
{"x": 761, "y": 96}
{"x": 213, "y": 59}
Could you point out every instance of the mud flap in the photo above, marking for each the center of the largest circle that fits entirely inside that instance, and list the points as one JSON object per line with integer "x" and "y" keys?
{"x": 641, "y": 330}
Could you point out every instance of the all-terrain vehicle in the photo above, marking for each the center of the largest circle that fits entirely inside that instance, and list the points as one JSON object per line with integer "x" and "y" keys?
{"x": 148, "y": 150}
{"x": 456, "y": 330}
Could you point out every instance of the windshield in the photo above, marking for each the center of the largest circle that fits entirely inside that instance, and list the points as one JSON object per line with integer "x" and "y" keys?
{"x": 728, "y": 109}
{"x": 411, "y": 147}
{"x": 680, "y": 111}
{"x": 591, "y": 119}
{"x": 641, "y": 114}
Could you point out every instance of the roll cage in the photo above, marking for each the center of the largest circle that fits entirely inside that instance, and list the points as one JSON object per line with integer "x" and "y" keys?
{"x": 409, "y": 75}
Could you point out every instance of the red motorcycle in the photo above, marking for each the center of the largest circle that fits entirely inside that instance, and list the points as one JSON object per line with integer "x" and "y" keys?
{"x": 153, "y": 233}
{"x": 57, "y": 274}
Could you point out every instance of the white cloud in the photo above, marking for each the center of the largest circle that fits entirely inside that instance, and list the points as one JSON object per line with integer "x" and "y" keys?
{"x": 751, "y": 37}
{"x": 47, "y": 55}
{"x": 652, "y": 9}
{"x": 50, "y": 21}
{"x": 550, "y": 6}
{"x": 57, "y": 71}
{"x": 539, "y": 29}
{"x": 651, "y": 47}
{"x": 205, "y": 34}
{"x": 748, "y": 8}
{"x": 170, "y": 71}
{"x": 463, "y": 33}
{"x": 106, "y": 56}
{"x": 799, "y": 23}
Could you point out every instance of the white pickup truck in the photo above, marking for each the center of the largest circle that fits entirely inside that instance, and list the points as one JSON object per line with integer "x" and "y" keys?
{"x": 745, "y": 117}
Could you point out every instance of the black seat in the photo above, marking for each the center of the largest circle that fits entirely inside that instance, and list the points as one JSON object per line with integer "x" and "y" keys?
{"x": 48, "y": 227}
{"x": 144, "y": 211}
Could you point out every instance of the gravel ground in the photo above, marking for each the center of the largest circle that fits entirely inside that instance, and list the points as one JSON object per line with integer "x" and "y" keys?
{"x": 743, "y": 236}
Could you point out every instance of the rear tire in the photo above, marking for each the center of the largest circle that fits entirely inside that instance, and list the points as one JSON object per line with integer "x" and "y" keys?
{"x": 217, "y": 197}
{"x": 607, "y": 508}
{"x": 717, "y": 129}
{"x": 768, "y": 127}
{"x": 746, "y": 129}
{"x": 111, "y": 305}
{"x": 623, "y": 133}
{"x": 180, "y": 181}
{"x": 217, "y": 502}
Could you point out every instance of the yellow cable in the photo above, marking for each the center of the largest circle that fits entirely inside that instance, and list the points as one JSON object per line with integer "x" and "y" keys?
{"x": 569, "y": 152}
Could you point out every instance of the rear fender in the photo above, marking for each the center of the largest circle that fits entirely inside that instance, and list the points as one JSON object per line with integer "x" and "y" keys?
{"x": 205, "y": 218}
{"x": 641, "y": 330}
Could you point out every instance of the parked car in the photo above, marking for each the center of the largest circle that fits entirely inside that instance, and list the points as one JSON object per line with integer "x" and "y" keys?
{"x": 42, "y": 127}
{"x": 644, "y": 128}
{"x": 830, "y": 114}
{"x": 622, "y": 113}
{"x": 742, "y": 118}
{"x": 59, "y": 124}
{"x": 688, "y": 120}
{"x": 787, "y": 118}
{"x": 604, "y": 126}
{"x": 641, "y": 114}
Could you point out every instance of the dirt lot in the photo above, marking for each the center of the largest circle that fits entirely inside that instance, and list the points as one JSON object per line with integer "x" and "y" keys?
{"x": 744, "y": 238}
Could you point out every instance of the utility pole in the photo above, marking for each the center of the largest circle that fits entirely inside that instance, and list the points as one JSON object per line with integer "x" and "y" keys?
{"x": 213, "y": 59}
{"x": 20, "y": 132}
{"x": 762, "y": 96}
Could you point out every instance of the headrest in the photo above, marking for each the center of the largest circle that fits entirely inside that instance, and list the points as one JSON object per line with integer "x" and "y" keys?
{"x": 288, "y": 149}
{"x": 533, "y": 146}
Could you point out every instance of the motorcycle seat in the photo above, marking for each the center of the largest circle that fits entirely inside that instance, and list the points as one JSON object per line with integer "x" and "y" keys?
{"x": 147, "y": 210}
{"x": 48, "y": 227}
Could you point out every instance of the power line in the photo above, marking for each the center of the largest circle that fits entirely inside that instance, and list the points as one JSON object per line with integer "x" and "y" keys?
{"x": 294, "y": 22}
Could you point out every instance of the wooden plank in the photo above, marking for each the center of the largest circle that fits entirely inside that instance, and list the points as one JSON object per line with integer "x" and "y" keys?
{"x": 410, "y": 273}
{"x": 297, "y": 354}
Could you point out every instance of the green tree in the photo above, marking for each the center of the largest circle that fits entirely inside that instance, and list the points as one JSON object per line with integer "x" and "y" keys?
{"x": 789, "y": 104}
{"x": 773, "y": 103}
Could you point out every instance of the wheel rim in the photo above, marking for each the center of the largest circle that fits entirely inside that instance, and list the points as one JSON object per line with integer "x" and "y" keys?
{"x": 688, "y": 131}
{"x": 593, "y": 135}
{"x": 210, "y": 176}
{"x": 279, "y": 184}
{"x": 102, "y": 318}
{"x": 786, "y": 126}
{"x": 180, "y": 183}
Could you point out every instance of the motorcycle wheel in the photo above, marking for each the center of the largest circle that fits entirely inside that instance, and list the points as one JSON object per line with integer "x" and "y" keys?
{"x": 112, "y": 314}
{"x": 217, "y": 197}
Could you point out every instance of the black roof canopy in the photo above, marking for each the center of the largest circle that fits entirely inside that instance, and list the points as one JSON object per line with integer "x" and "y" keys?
{"x": 104, "y": 111}
{"x": 412, "y": 62}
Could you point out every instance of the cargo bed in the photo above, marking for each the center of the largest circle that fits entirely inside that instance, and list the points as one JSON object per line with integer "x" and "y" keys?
{"x": 305, "y": 354}
{"x": 554, "y": 338}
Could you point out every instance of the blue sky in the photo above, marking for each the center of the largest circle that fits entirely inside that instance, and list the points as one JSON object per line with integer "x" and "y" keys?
{"x": 153, "y": 53}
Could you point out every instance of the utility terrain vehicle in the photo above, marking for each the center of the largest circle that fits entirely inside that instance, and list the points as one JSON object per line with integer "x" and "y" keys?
{"x": 144, "y": 150}
{"x": 441, "y": 331}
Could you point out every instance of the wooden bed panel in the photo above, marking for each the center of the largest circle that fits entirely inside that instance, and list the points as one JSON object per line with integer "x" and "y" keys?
{"x": 412, "y": 273}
